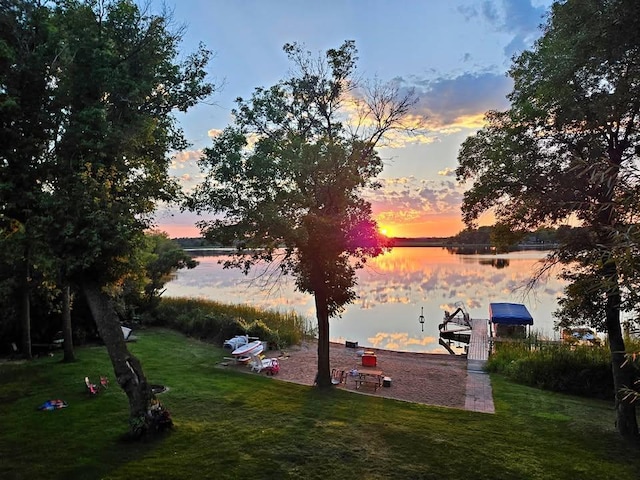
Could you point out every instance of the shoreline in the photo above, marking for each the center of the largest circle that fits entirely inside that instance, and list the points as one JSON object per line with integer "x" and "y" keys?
{"x": 426, "y": 378}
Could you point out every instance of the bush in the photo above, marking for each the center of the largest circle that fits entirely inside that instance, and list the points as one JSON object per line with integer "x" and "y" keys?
{"x": 577, "y": 370}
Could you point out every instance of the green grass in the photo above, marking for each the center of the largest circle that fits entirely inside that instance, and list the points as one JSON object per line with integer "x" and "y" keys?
{"x": 230, "y": 425}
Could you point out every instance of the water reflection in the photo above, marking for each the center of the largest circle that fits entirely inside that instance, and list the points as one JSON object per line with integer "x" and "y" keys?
{"x": 496, "y": 262}
{"x": 393, "y": 290}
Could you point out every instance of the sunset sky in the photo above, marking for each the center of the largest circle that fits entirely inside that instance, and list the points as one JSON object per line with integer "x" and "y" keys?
{"x": 454, "y": 53}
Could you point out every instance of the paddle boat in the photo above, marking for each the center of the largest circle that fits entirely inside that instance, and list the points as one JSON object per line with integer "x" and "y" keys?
{"x": 244, "y": 352}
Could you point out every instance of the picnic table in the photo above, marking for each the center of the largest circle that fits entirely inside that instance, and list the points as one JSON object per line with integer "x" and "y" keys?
{"x": 370, "y": 377}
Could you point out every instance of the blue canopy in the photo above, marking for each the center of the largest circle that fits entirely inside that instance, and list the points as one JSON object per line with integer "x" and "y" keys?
{"x": 510, "y": 314}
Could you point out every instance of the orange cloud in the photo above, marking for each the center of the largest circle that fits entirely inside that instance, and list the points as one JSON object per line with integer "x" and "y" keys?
{"x": 185, "y": 159}
{"x": 410, "y": 207}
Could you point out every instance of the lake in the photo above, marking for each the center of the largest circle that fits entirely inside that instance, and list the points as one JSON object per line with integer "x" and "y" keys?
{"x": 393, "y": 291}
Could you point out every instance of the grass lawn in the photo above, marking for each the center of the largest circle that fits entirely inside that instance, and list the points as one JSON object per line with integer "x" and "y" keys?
{"x": 230, "y": 425}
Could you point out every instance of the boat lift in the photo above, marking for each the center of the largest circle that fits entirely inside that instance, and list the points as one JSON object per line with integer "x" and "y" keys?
{"x": 462, "y": 334}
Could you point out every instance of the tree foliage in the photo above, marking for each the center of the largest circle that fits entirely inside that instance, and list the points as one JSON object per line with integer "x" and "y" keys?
{"x": 28, "y": 47}
{"x": 286, "y": 179}
{"x": 158, "y": 260}
{"x": 120, "y": 86}
{"x": 567, "y": 151}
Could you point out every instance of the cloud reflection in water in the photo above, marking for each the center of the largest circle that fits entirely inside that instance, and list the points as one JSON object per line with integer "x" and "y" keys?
{"x": 391, "y": 290}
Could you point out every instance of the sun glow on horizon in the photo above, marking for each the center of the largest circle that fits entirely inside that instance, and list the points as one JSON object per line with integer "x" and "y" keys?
{"x": 385, "y": 231}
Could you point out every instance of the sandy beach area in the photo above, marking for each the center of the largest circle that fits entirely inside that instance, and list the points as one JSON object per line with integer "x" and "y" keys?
{"x": 432, "y": 379}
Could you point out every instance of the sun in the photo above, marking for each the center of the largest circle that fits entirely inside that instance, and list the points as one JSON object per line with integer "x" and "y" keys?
{"x": 384, "y": 231}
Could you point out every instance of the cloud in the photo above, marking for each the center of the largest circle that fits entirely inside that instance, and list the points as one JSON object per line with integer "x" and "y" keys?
{"x": 518, "y": 18}
{"x": 185, "y": 159}
{"x": 448, "y": 104}
{"x": 184, "y": 166}
{"x": 445, "y": 105}
{"x": 409, "y": 200}
{"x": 452, "y": 103}
{"x": 214, "y": 132}
{"x": 447, "y": 172}
{"x": 398, "y": 340}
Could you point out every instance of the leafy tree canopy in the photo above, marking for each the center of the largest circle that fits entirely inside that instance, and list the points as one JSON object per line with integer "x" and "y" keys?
{"x": 120, "y": 88}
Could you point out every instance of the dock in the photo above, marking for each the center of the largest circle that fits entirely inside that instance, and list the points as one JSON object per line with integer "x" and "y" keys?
{"x": 479, "y": 340}
{"x": 479, "y": 396}
{"x": 507, "y": 319}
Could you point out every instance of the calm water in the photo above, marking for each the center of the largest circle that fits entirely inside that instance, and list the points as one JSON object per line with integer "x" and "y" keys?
{"x": 392, "y": 290}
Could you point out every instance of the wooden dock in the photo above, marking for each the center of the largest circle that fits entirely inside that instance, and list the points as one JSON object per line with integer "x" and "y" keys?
{"x": 479, "y": 342}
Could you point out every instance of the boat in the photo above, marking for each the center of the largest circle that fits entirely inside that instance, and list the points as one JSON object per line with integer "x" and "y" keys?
{"x": 251, "y": 348}
{"x": 580, "y": 336}
{"x": 509, "y": 320}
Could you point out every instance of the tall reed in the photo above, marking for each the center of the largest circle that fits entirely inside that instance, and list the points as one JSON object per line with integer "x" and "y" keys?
{"x": 217, "y": 321}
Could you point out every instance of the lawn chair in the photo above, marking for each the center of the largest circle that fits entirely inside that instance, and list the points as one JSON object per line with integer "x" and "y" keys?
{"x": 338, "y": 377}
{"x": 258, "y": 364}
{"x": 92, "y": 388}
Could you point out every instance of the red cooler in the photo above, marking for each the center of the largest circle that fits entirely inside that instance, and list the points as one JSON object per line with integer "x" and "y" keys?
{"x": 369, "y": 360}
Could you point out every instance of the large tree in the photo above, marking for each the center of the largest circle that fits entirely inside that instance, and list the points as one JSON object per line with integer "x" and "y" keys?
{"x": 567, "y": 151}
{"x": 120, "y": 88}
{"x": 286, "y": 179}
{"x": 91, "y": 147}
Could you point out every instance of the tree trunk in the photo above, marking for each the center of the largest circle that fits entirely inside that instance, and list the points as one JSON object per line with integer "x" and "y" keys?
{"x": 25, "y": 310}
{"x": 623, "y": 376}
{"x": 323, "y": 377}
{"x": 127, "y": 368}
{"x": 69, "y": 355}
{"x": 25, "y": 322}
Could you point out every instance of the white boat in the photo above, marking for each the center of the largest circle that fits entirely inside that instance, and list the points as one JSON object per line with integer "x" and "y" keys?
{"x": 251, "y": 348}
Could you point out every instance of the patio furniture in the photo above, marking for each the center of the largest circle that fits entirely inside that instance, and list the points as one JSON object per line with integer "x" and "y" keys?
{"x": 258, "y": 364}
{"x": 338, "y": 376}
{"x": 368, "y": 377}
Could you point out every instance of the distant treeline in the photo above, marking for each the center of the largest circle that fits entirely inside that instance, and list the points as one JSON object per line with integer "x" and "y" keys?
{"x": 197, "y": 242}
{"x": 497, "y": 236}
{"x": 488, "y": 236}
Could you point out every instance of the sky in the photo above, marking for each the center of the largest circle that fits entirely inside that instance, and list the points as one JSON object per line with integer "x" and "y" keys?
{"x": 454, "y": 53}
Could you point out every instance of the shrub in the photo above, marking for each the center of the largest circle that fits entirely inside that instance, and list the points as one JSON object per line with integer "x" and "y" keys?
{"x": 576, "y": 370}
